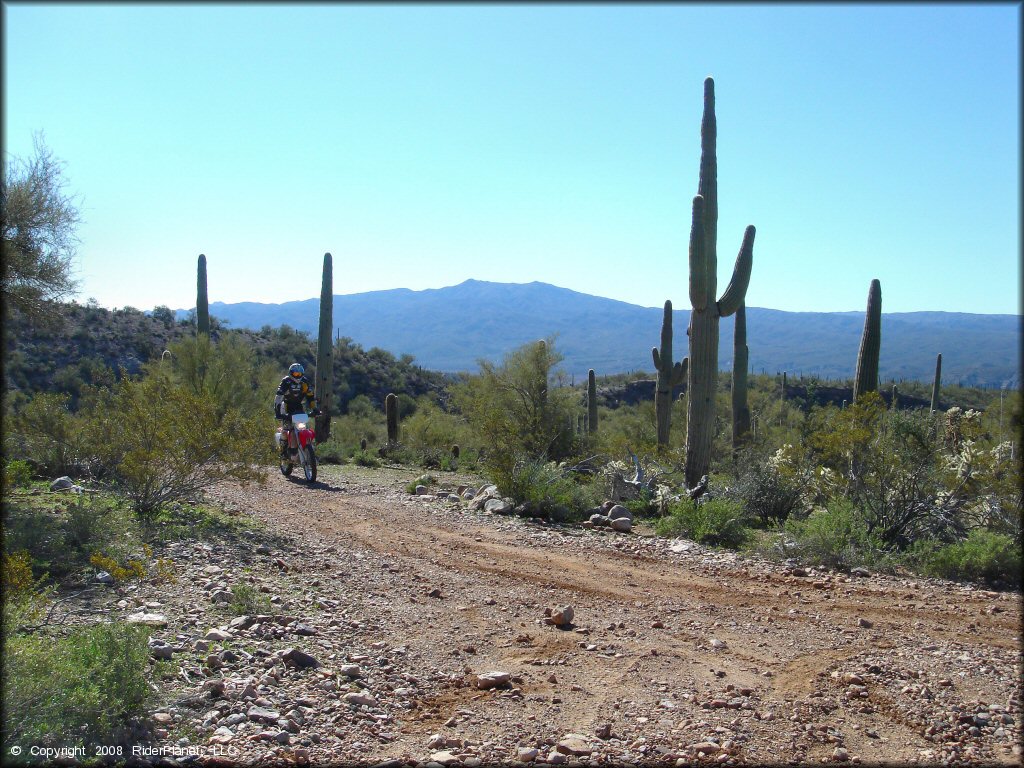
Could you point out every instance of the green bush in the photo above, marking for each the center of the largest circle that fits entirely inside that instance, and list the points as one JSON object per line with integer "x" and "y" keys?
{"x": 766, "y": 494}
{"x": 75, "y": 690}
{"x": 160, "y": 442}
{"x": 717, "y": 522}
{"x": 547, "y": 491}
{"x": 47, "y": 435}
{"x": 365, "y": 459}
{"x": 17, "y": 474}
{"x": 517, "y": 410}
{"x": 426, "y": 480}
{"x": 982, "y": 557}
{"x": 247, "y": 600}
{"x": 835, "y": 537}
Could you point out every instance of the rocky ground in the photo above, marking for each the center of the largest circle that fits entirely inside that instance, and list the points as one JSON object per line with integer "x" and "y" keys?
{"x": 405, "y": 630}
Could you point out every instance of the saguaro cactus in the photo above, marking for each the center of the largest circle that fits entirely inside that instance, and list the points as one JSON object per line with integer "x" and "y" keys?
{"x": 324, "y": 352}
{"x": 740, "y": 356}
{"x": 591, "y": 402}
{"x": 866, "y": 379}
{"x": 202, "y": 298}
{"x": 670, "y": 376}
{"x": 936, "y": 383}
{"x": 702, "y": 377}
{"x": 391, "y": 415}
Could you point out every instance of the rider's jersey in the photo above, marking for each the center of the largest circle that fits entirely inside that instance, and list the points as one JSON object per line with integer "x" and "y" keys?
{"x": 294, "y": 391}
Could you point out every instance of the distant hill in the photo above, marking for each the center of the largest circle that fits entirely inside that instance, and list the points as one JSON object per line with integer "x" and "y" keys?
{"x": 450, "y": 329}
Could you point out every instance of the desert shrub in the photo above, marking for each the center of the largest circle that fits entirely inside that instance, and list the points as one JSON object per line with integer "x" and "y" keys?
{"x": 331, "y": 452}
{"x": 767, "y": 494}
{"x": 366, "y": 459}
{"x": 983, "y": 556}
{"x": 517, "y": 411}
{"x": 425, "y": 480}
{"x": 159, "y": 442}
{"x": 247, "y": 600}
{"x": 73, "y": 690}
{"x": 835, "y": 536}
{"x": 17, "y": 474}
{"x": 717, "y": 522}
{"x": 548, "y": 491}
{"x": 45, "y": 434}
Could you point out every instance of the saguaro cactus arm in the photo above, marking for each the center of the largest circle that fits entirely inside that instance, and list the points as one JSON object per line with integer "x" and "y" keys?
{"x": 736, "y": 292}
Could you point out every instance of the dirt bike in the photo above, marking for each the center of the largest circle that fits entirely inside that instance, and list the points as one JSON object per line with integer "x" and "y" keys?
{"x": 300, "y": 439}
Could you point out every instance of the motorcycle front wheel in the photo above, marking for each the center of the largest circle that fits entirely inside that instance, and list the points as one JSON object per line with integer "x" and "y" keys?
{"x": 309, "y": 465}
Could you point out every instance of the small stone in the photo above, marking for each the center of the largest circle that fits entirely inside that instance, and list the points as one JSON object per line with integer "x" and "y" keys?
{"x": 361, "y": 699}
{"x": 619, "y": 512}
{"x": 104, "y": 578}
{"x": 351, "y": 670}
{"x": 622, "y": 524}
{"x": 62, "y": 484}
{"x": 840, "y": 755}
{"x": 603, "y": 731}
{"x": 527, "y": 754}
{"x": 574, "y": 744}
{"x": 707, "y": 747}
{"x": 718, "y": 644}
{"x": 262, "y": 715}
{"x": 865, "y": 623}
{"x": 217, "y": 635}
{"x": 490, "y": 680}
{"x": 562, "y": 615}
{"x": 148, "y": 619}
{"x": 299, "y": 658}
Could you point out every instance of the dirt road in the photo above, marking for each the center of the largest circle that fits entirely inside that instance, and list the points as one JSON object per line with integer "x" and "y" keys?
{"x": 675, "y": 652}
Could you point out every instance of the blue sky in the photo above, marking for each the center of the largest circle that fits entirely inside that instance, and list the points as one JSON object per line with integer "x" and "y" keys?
{"x": 423, "y": 145}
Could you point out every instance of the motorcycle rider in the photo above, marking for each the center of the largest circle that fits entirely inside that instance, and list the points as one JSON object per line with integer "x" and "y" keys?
{"x": 292, "y": 391}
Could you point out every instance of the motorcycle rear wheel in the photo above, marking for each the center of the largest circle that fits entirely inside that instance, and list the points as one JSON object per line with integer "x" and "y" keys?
{"x": 286, "y": 468}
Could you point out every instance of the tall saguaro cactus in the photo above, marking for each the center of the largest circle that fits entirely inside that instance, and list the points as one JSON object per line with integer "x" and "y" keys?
{"x": 325, "y": 352}
{"x": 936, "y": 383}
{"x": 740, "y": 357}
{"x": 670, "y": 376}
{"x": 202, "y": 298}
{"x": 591, "y": 402}
{"x": 866, "y": 379}
{"x": 391, "y": 416}
{"x": 706, "y": 312}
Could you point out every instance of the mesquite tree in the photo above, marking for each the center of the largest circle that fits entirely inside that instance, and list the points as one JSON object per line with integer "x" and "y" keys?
{"x": 866, "y": 379}
{"x": 670, "y": 376}
{"x": 324, "y": 352}
{"x": 702, "y": 377}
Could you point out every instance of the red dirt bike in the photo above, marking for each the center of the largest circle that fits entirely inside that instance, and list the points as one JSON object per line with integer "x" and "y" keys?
{"x": 300, "y": 439}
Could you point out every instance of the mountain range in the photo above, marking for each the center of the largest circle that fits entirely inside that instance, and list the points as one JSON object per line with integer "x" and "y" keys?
{"x": 451, "y": 329}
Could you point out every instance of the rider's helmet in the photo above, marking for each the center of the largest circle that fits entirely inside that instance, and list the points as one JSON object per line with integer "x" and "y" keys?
{"x": 295, "y": 371}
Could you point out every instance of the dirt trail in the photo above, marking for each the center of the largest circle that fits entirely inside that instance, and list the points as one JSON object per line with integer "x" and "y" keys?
{"x": 671, "y": 649}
